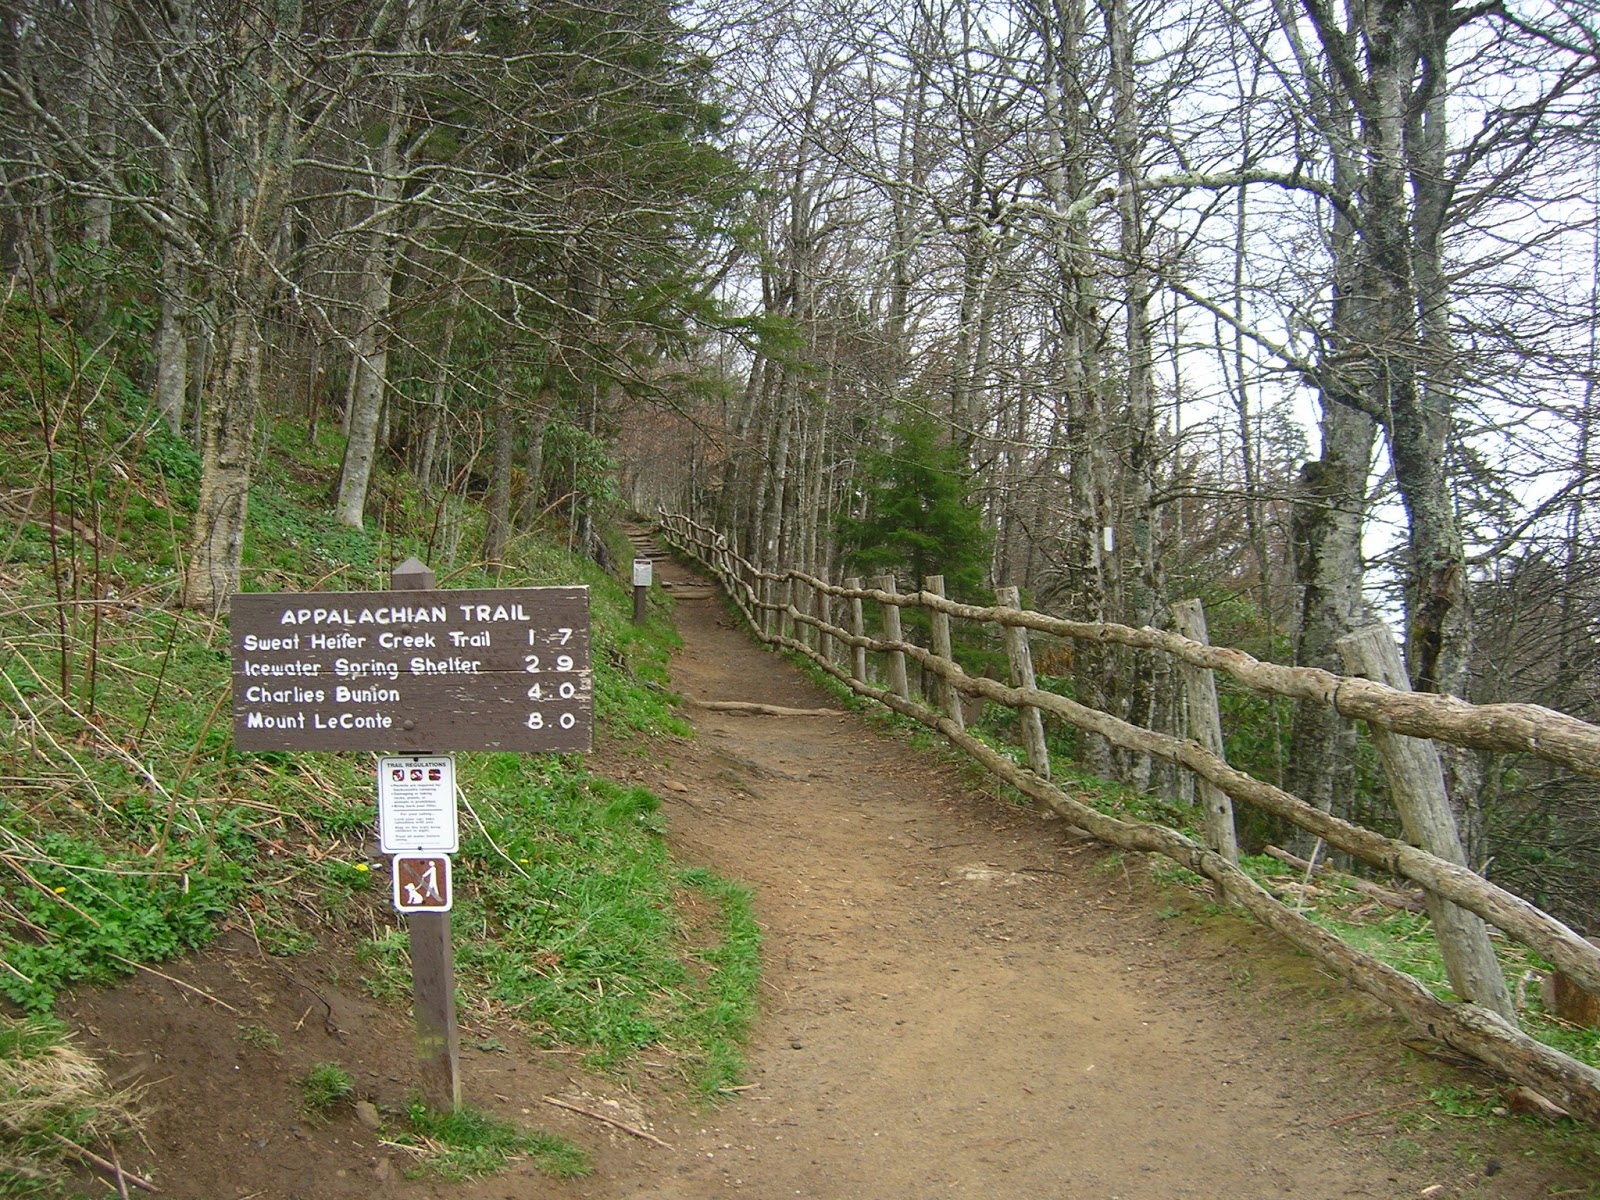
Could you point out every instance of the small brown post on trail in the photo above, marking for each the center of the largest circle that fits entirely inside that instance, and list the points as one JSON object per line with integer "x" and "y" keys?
{"x": 1416, "y": 784}
{"x": 949, "y": 698}
{"x": 642, "y": 572}
{"x": 858, "y": 629}
{"x": 433, "y": 970}
{"x": 891, "y": 632}
{"x": 1021, "y": 659}
{"x": 1205, "y": 727}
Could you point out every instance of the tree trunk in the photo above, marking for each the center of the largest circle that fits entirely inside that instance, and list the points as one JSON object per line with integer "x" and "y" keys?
{"x": 497, "y": 526}
{"x": 371, "y": 369}
{"x": 371, "y": 364}
{"x": 1326, "y": 520}
{"x": 217, "y": 544}
{"x": 172, "y": 343}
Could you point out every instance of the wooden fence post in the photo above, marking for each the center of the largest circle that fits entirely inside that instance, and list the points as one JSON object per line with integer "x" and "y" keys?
{"x": 949, "y": 698}
{"x": 1416, "y": 783}
{"x": 824, "y": 613}
{"x": 858, "y": 629}
{"x": 1021, "y": 659}
{"x": 786, "y": 601}
{"x": 891, "y": 633}
{"x": 1205, "y": 727}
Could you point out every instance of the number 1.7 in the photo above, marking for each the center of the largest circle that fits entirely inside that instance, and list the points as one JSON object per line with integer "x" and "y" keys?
{"x": 559, "y": 637}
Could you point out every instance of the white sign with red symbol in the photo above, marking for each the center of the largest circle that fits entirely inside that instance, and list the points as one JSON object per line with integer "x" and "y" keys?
{"x": 417, "y": 804}
{"x": 422, "y": 882}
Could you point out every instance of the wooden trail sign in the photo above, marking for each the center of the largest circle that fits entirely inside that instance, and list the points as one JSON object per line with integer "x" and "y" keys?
{"x": 415, "y": 670}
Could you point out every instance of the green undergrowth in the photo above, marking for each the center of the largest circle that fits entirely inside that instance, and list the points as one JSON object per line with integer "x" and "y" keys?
{"x": 467, "y": 1144}
{"x": 459, "y": 1145}
{"x": 580, "y": 927}
{"x": 131, "y": 830}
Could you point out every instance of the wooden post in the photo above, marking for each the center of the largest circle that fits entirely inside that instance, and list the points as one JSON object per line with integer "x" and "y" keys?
{"x": 1416, "y": 783}
{"x": 939, "y": 622}
{"x": 1205, "y": 727}
{"x": 764, "y": 593}
{"x": 642, "y": 573}
{"x": 785, "y": 604}
{"x": 1021, "y": 659}
{"x": 824, "y": 613}
{"x": 433, "y": 970}
{"x": 858, "y": 629}
{"x": 891, "y": 633}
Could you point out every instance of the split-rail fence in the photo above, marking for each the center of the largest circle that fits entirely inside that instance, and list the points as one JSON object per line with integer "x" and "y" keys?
{"x": 798, "y": 612}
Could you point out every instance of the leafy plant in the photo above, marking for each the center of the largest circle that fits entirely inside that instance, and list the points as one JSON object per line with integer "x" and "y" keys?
{"x": 918, "y": 517}
{"x": 260, "y": 1037}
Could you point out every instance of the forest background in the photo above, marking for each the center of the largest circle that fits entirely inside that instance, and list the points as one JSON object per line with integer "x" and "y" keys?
{"x": 1289, "y": 306}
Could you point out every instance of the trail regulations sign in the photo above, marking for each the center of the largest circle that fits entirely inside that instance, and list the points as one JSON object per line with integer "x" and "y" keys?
{"x": 416, "y": 670}
{"x": 417, "y": 804}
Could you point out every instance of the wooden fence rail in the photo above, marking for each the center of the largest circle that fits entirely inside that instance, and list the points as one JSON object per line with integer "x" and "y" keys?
{"x": 791, "y": 609}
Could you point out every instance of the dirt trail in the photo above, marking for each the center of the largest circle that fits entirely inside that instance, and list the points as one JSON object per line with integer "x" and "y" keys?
{"x": 959, "y": 999}
{"x": 963, "y": 1001}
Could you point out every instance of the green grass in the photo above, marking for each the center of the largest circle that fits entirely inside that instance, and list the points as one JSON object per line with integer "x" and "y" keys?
{"x": 325, "y": 1086}
{"x": 130, "y": 829}
{"x": 53, "y": 1100}
{"x": 254, "y": 1034}
{"x": 466, "y": 1144}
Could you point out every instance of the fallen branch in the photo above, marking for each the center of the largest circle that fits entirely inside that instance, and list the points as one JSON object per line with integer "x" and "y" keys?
{"x": 761, "y": 710}
{"x": 1376, "y": 1112}
{"x": 605, "y": 1120}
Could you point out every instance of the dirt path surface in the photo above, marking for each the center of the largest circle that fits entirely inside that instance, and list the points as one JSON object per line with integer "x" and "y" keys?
{"x": 960, "y": 999}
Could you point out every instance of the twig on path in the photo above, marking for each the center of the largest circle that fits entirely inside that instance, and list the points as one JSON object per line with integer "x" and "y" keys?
{"x": 201, "y": 992}
{"x": 605, "y": 1120}
{"x": 105, "y": 1164}
{"x": 1375, "y": 1112}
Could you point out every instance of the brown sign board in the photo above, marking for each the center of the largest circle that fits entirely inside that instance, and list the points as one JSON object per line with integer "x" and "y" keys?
{"x": 413, "y": 671}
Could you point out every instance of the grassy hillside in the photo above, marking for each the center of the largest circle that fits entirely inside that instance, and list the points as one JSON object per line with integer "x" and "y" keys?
{"x": 131, "y": 831}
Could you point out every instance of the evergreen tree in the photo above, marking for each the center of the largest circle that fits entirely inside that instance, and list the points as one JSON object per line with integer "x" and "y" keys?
{"x": 919, "y": 518}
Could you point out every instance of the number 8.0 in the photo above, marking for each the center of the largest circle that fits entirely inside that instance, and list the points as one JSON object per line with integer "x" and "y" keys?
{"x": 535, "y": 720}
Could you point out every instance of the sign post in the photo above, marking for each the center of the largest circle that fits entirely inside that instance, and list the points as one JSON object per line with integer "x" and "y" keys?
{"x": 415, "y": 671}
{"x": 641, "y": 588}
{"x": 433, "y": 966}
